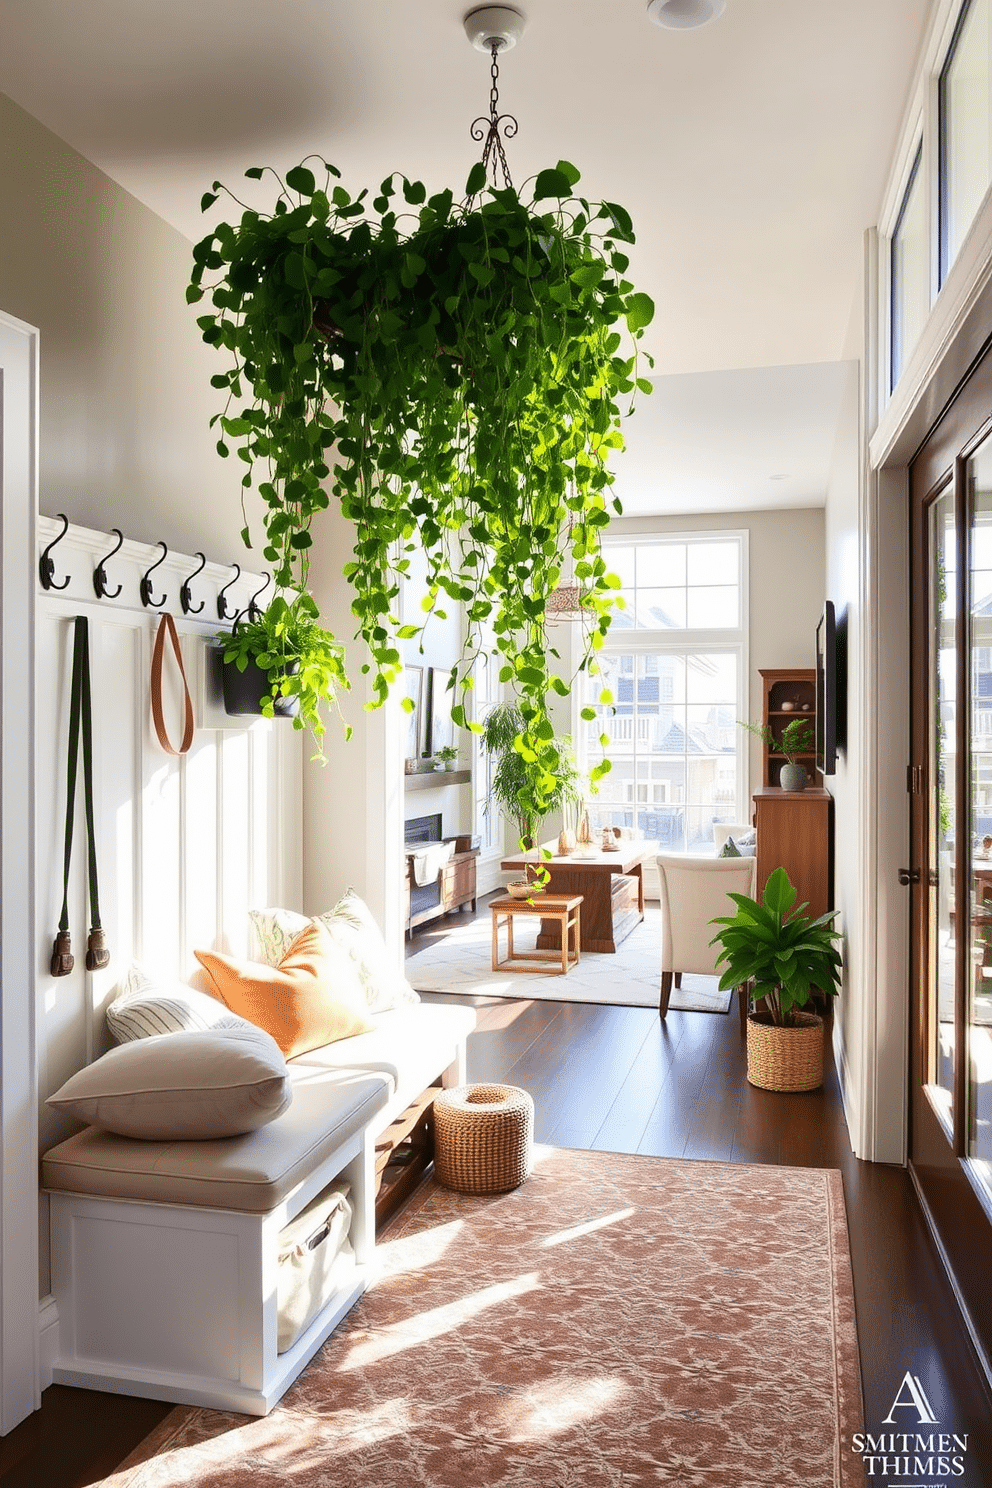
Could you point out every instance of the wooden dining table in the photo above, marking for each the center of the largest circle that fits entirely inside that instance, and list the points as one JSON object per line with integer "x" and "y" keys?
{"x": 611, "y": 885}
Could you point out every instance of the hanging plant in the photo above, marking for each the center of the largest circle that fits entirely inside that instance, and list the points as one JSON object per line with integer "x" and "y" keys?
{"x": 291, "y": 664}
{"x": 451, "y": 374}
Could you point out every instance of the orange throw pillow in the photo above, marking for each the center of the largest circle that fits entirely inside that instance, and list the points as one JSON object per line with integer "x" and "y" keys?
{"x": 311, "y": 998}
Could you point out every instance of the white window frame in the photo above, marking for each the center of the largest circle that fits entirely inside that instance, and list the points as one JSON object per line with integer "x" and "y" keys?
{"x": 921, "y": 125}
{"x": 680, "y": 642}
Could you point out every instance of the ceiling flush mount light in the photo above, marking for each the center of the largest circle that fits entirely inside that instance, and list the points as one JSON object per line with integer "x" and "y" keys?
{"x": 684, "y": 15}
{"x": 498, "y": 26}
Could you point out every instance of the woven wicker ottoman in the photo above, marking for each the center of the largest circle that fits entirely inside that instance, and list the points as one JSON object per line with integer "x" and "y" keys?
{"x": 483, "y": 1138}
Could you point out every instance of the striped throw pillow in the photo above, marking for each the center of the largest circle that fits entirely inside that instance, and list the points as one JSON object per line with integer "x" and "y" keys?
{"x": 146, "y": 1006}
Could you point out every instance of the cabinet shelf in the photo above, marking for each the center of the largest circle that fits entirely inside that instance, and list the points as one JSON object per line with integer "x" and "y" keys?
{"x": 795, "y": 685}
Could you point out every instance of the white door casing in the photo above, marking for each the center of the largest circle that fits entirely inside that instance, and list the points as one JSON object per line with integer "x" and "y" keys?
{"x": 19, "y": 1373}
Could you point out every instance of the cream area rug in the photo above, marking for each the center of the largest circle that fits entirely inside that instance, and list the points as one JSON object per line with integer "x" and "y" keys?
{"x": 615, "y": 1321}
{"x": 631, "y": 977}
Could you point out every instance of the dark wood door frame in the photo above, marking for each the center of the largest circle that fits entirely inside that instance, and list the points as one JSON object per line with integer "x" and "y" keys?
{"x": 938, "y": 1166}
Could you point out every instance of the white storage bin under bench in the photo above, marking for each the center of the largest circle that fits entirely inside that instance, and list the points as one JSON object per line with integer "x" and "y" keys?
{"x": 165, "y": 1254}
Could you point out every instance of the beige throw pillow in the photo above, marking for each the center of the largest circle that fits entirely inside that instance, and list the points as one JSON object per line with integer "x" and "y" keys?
{"x": 182, "y": 1086}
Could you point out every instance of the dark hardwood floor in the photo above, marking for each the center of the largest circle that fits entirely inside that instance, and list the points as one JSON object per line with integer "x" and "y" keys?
{"x": 618, "y": 1079}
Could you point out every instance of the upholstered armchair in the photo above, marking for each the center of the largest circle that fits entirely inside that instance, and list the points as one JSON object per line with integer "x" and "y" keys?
{"x": 693, "y": 892}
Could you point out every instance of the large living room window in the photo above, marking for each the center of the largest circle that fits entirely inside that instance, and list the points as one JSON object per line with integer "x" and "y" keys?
{"x": 674, "y": 663}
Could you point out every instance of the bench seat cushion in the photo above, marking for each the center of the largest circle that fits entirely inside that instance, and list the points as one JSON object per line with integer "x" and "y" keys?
{"x": 253, "y": 1173}
{"x": 411, "y": 1044}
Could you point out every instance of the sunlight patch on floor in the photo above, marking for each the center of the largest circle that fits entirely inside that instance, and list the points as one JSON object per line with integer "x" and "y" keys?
{"x": 434, "y": 1323}
{"x": 561, "y": 1404}
{"x": 576, "y": 1231}
{"x": 416, "y": 1252}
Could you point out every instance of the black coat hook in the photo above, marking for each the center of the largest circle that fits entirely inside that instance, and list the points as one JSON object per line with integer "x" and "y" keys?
{"x": 253, "y": 610}
{"x": 46, "y": 564}
{"x": 146, "y": 582}
{"x": 100, "y": 572}
{"x": 185, "y": 597}
{"x": 223, "y": 613}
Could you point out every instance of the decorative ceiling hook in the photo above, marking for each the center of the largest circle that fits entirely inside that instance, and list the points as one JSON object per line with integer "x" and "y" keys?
{"x": 146, "y": 582}
{"x": 100, "y": 572}
{"x": 185, "y": 597}
{"x": 253, "y": 610}
{"x": 494, "y": 29}
{"x": 223, "y": 613}
{"x": 46, "y": 564}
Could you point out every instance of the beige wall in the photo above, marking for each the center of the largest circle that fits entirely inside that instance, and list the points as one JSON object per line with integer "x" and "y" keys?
{"x": 125, "y": 379}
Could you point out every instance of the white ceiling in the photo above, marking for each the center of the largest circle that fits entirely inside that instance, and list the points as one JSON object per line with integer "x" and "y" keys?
{"x": 752, "y": 155}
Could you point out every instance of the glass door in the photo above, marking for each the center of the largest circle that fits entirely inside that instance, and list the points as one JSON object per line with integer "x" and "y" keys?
{"x": 950, "y": 875}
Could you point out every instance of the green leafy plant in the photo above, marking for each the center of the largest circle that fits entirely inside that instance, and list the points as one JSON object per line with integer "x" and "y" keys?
{"x": 450, "y": 373}
{"x": 298, "y": 657}
{"x": 446, "y": 752}
{"x": 798, "y": 738}
{"x": 785, "y": 954}
{"x": 502, "y": 730}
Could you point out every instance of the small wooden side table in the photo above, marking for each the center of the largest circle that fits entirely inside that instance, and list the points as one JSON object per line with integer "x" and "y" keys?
{"x": 562, "y": 909}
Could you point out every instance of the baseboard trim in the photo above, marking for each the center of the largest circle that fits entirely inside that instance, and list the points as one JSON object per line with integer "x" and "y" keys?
{"x": 48, "y": 1340}
{"x": 984, "y": 1362}
{"x": 852, "y": 1114}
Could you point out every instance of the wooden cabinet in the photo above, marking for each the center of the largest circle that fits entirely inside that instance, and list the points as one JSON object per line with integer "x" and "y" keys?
{"x": 795, "y": 832}
{"x": 786, "y": 693}
{"x": 456, "y": 886}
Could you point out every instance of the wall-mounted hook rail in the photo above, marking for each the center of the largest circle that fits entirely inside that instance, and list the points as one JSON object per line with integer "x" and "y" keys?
{"x": 100, "y": 572}
{"x": 46, "y": 563}
{"x": 185, "y": 597}
{"x": 223, "y": 613}
{"x": 253, "y": 609}
{"x": 146, "y": 582}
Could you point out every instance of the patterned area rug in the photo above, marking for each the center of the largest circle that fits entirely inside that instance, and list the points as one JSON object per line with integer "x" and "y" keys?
{"x": 615, "y": 1321}
{"x": 462, "y": 963}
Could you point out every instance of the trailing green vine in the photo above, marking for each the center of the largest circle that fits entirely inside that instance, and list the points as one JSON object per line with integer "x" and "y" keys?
{"x": 451, "y": 373}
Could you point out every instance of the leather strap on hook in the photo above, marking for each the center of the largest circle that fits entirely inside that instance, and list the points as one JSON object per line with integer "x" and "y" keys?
{"x": 167, "y": 630}
{"x": 80, "y": 722}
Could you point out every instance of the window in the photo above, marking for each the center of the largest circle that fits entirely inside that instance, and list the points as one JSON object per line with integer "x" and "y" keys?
{"x": 910, "y": 291}
{"x": 674, "y": 666}
{"x": 964, "y": 115}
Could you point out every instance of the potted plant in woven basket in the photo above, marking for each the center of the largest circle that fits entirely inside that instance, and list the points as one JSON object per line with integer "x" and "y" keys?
{"x": 785, "y": 956}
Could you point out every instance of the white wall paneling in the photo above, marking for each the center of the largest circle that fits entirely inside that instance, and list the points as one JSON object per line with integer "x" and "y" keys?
{"x": 185, "y": 845}
{"x": 19, "y": 1381}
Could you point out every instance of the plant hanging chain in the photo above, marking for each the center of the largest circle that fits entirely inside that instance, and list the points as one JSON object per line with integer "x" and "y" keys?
{"x": 490, "y": 130}
{"x": 451, "y": 375}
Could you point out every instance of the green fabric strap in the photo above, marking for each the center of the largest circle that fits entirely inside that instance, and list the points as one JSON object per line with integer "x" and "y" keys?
{"x": 80, "y": 712}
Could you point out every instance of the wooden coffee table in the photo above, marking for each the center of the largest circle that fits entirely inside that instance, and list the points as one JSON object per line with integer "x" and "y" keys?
{"x": 560, "y": 911}
{"x": 611, "y": 885}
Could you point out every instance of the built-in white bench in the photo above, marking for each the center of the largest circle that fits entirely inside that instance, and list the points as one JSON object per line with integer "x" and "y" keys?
{"x": 164, "y": 1254}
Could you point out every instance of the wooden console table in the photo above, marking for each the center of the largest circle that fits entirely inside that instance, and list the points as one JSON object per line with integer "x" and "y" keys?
{"x": 457, "y": 887}
{"x": 611, "y": 885}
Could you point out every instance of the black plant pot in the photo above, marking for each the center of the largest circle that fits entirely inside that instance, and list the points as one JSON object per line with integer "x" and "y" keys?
{"x": 244, "y": 691}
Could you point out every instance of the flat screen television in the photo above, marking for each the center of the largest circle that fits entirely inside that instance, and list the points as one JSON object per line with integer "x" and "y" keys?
{"x": 826, "y": 691}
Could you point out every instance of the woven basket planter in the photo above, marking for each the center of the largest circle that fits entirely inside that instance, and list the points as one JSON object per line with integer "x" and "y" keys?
{"x": 785, "y": 1058}
{"x": 483, "y": 1138}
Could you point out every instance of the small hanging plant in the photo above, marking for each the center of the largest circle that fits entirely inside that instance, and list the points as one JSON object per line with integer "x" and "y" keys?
{"x": 451, "y": 374}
